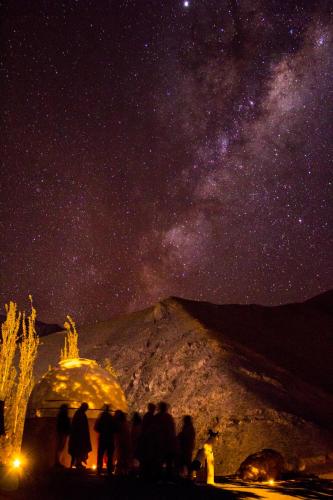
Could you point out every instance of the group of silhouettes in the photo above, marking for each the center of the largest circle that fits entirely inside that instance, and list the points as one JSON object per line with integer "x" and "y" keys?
{"x": 148, "y": 445}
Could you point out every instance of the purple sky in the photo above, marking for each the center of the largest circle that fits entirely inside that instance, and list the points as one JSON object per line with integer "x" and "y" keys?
{"x": 154, "y": 148}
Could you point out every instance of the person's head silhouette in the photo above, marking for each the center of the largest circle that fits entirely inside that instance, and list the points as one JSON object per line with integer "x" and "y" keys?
{"x": 187, "y": 420}
{"x": 84, "y": 407}
{"x": 163, "y": 407}
{"x": 151, "y": 407}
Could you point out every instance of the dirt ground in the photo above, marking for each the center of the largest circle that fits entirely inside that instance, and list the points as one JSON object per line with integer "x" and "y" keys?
{"x": 72, "y": 485}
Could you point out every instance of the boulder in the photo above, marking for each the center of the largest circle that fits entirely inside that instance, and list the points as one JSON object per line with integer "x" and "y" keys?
{"x": 265, "y": 465}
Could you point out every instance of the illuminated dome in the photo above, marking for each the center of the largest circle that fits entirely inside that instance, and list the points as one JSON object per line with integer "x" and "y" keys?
{"x": 75, "y": 381}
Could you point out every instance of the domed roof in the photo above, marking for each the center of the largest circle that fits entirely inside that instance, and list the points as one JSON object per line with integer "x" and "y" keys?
{"x": 73, "y": 382}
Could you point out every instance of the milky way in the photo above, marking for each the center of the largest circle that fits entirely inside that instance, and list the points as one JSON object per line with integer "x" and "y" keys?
{"x": 156, "y": 148}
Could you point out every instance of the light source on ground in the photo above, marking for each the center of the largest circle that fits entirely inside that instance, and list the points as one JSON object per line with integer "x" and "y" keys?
{"x": 17, "y": 463}
{"x": 94, "y": 467}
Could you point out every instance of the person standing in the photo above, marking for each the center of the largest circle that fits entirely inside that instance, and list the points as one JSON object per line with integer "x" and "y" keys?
{"x": 79, "y": 445}
{"x": 147, "y": 443}
{"x": 63, "y": 430}
{"x": 148, "y": 418}
{"x": 136, "y": 433}
{"x": 2, "y": 418}
{"x": 105, "y": 428}
{"x": 123, "y": 443}
{"x": 186, "y": 442}
{"x": 165, "y": 439}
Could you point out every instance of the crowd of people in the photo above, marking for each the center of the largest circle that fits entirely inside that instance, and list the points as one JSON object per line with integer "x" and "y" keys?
{"x": 148, "y": 446}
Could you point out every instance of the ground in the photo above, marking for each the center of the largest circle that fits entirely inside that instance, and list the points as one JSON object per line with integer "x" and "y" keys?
{"x": 71, "y": 485}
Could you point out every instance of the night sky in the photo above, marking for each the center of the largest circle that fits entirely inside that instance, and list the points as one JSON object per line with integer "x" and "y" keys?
{"x": 153, "y": 148}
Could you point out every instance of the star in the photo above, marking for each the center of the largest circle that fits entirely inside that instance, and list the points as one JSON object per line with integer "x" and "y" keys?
{"x": 321, "y": 40}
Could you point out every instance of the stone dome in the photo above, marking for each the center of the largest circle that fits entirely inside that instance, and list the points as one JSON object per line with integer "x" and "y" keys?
{"x": 74, "y": 381}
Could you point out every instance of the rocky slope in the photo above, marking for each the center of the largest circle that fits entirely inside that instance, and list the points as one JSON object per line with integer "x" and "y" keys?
{"x": 260, "y": 375}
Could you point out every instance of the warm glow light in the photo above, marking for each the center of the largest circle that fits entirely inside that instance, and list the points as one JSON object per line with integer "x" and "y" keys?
{"x": 73, "y": 381}
{"x": 209, "y": 456}
{"x": 17, "y": 463}
{"x": 75, "y": 362}
{"x": 94, "y": 467}
{"x": 271, "y": 482}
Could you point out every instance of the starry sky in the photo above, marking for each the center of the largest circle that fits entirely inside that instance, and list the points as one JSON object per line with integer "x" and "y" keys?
{"x": 153, "y": 148}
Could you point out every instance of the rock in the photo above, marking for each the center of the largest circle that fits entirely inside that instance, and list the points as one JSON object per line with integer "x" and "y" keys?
{"x": 264, "y": 465}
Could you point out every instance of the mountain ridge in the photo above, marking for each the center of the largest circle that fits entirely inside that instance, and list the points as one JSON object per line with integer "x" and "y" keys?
{"x": 223, "y": 365}
{"x": 42, "y": 328}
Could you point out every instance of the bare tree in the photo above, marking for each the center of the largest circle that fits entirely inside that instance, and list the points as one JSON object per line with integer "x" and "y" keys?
{"x": 28, "y": 353}
{"x": 15, "y": 390}
{"x": 71, "y": 349}
{"x": 9, "y": 330}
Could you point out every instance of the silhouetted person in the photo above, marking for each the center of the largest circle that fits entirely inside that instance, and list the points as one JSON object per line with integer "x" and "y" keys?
{"x": 122, "y": 443}
{"x": 2, "y": 418}
{"x": 79, "y": 440}
{"x": 63, "y": 430}
{"x": 186, "y": 442}
{"x": 148, "y": 418}
{"x": 105, "y": 427}
{"x": 165, "y": 439}
{"x": 147, "y": 442}
{"x": 136, "y": 432}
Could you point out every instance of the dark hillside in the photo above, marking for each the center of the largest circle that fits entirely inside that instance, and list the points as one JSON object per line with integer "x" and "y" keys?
{"x": 298, "y": 337}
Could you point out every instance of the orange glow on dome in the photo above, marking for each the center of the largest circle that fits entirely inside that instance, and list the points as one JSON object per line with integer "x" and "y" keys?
{"x": 77, "y": 362}
{"x": 74, "y": 381}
